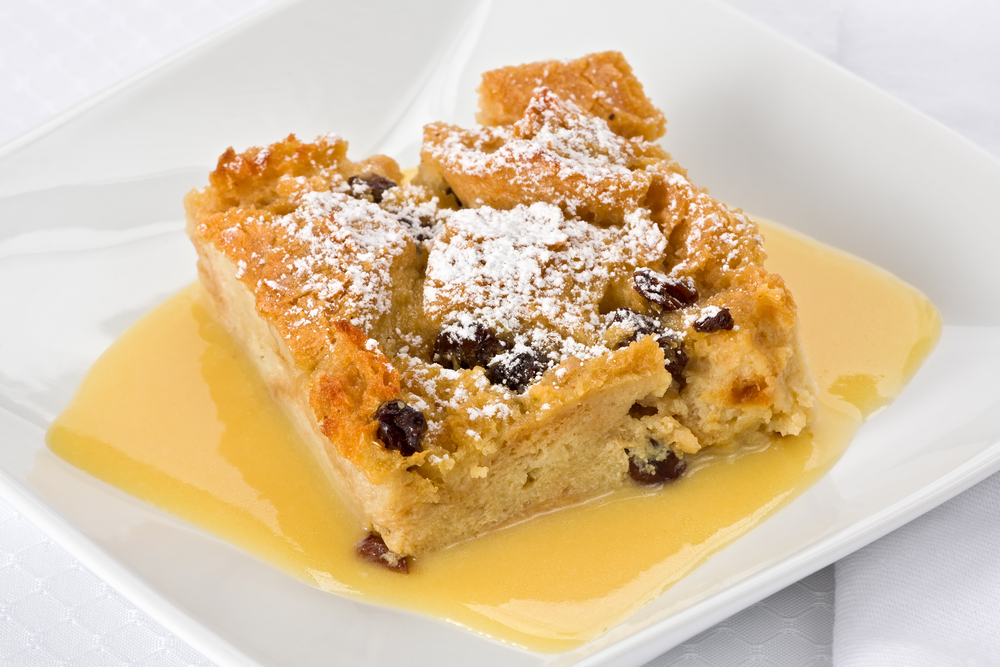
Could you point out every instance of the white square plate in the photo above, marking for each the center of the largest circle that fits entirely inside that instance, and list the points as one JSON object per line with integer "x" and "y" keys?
{"x": 91, "y": 238}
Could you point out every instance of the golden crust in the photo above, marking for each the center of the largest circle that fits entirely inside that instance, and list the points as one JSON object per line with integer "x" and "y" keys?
{"x": 602, "y": 84}
{"x": 538, "y": 158}
{"x": 338, "y": 284}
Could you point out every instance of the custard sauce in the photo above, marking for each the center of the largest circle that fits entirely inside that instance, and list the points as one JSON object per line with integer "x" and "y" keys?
{"x": 174, "y": 414}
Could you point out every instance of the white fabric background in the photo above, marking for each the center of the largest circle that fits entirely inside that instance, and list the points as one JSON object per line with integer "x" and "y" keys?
{"x": 928, "y": 594}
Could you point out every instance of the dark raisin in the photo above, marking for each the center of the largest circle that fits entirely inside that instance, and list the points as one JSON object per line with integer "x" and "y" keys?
{"x": 611, "y": 116}
{"x": 420, "y": 229}
{"x": 719, "y": 320}
{"x": 400, "y": 426}
{"x": 669, "y": 293}
{"x": 640, "y": 324}
{"x": 655, "y": 471}
{"x": 373, "y": 183}
{"x": 374, "y": 550}
{"x": 675, "y": 360}
{"x": 517, "y": 369}
{"x": 466, "y": 346}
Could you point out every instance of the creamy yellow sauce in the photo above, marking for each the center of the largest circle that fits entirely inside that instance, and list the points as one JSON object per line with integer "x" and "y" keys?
{"x": 174, "y": 414}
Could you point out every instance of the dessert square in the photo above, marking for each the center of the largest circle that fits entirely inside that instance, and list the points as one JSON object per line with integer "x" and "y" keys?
{"x": 548, "y": 312}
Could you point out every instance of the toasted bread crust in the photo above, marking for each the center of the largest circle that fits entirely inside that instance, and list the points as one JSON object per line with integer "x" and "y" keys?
{"x": 602, "y": 84}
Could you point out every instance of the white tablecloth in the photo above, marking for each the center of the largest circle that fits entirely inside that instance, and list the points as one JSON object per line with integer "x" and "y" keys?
{"x": 943, "y": 58}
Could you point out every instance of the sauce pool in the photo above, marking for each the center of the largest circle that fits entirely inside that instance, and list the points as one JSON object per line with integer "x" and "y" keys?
{"x": 174, "y": 414}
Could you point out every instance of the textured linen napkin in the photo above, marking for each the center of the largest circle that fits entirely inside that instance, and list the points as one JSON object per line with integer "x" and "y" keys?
{"x": 928, "y": 593}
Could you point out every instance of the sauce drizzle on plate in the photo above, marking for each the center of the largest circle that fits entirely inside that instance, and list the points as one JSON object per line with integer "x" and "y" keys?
{"x": 174, "y": 414}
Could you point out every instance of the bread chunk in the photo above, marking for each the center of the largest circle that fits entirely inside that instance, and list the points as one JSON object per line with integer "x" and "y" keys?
{"x": 548, "y": 312}
{"x": 555, "y": 153}
{"x": 602, "y": 84}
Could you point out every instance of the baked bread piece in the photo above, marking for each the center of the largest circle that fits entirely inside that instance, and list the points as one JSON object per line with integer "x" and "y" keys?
{"x": 550, "y": 311}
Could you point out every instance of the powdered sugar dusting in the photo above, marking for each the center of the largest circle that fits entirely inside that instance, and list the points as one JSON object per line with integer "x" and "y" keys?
{"x": 333, "y": 253}
{"x": 439, "y": 391}
{"x": 506, "y": 266}
{"x": 422, "y": 217}
{"x": 534, "y": 273}
{"x": 581, "y": 143}
{"x": 556, "y": 153}
{"x": 715, "y": 235}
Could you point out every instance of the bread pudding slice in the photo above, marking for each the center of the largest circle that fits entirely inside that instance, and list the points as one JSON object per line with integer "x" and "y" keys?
{"x": 550, "y": 311}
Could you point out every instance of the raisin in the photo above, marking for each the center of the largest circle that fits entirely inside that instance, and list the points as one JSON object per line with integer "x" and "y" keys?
{"x": 400, "y": 426}
{"x": 668, "y": 293}
{"x": 640, "y": 324}
{"x": 516, "y": 370}
{"x": 374, "y": 550}
{"x": 420, "y": 229}
{"x": 656, "y": 471}
{"x": 675, "y": 360}
{"x": 719, "y": 320}
{"x": 373, "y": 183}
{"x": 466, "y": 346}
